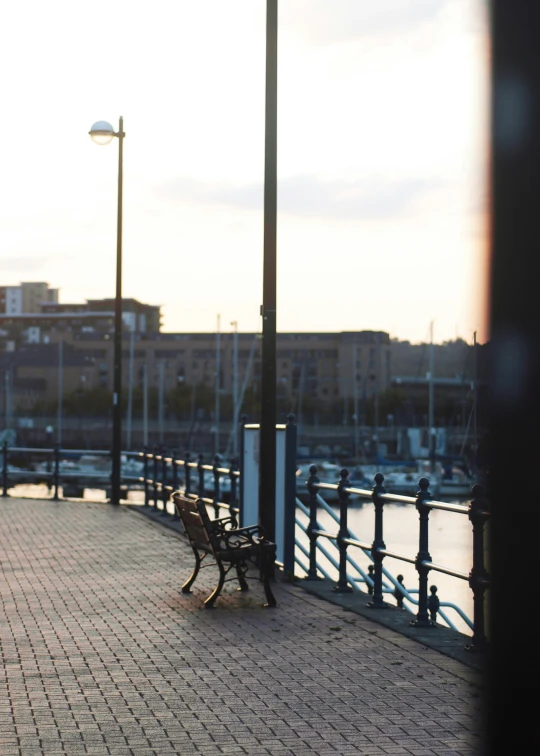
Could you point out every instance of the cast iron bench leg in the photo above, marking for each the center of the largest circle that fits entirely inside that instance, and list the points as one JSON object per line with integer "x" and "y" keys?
{"x": 186, "y": 588}
{"x": 240, "y": 571}
{"x": 209, "y": 602}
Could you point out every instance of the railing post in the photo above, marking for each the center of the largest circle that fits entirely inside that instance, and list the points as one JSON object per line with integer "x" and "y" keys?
{"x": 217, "y": 463}
{"x": 289, "y": 524}
{"x": 232, "y": 498}
{"x": 4, "y": 469}
{"x": 145, "y": 473}
{"x": 200, "y": 471}
{"x": 398, "y": 595}
{"x": 187, "y": 474}
{"x": 164, "y": 491}
{"x": 371, "y": 570}
{"x": 243, "y": 422}
{"x": 422, "y": 616}
{"x": 378, "y": 543}
{"x": 342, "y": 585}
{"x": 478, "y": 576}
{"x": 312, "y": 486}
{"x": 56, "y": 473}
{"x": 174, "y": 465}
{"x": 433, "y": 603}
{"x": 154, "y": 477}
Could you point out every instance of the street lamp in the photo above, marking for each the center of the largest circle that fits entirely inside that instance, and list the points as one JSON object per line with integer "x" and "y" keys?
{"x": 103, "y": 133}
{"x": 267, "y": 452}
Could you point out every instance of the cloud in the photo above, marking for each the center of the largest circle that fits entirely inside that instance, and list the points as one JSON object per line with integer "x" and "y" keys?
{"x": 324, "y": 22}
{"x": 308, "y": 196}
{"x": 345, "y": 20}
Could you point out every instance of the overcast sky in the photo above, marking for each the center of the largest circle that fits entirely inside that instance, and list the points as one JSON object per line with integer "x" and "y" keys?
{"x": 382, "y": 159}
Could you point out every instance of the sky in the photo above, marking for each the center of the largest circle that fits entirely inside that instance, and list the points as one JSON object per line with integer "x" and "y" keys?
{"x": 382, "y": 160}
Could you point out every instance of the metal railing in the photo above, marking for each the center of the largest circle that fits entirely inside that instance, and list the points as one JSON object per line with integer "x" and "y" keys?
{"x": 164, "y": 474}
{"x": 54, "y": 474}
{"x": 350, "y": 573}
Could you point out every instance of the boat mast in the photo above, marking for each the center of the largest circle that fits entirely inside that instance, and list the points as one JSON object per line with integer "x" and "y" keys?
{"x": 377, "y": 378}
{"x": 160, "y": 402}
{"x": 130, "y": 389}
{"x": 216, "y": 413}
{"x": 475, "y": 398}
{"x": 60, "y": 392}
{"x": 355, "y": 389}
{"x": 431, "y": 435}
{"x": 145, "y": 404}
{"x": 235, "y": 387}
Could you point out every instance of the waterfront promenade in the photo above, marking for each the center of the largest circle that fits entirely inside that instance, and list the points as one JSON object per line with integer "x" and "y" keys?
{"x": 102, "y": 654}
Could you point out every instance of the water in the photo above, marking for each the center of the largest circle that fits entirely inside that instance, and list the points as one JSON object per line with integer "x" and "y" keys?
{"x": 450, "y": 543}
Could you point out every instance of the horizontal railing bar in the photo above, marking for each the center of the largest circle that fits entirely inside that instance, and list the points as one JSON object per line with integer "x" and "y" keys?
{"x": 89, "y": 452}
{"x": 355, "y": 542}
{"x": 398, "y": 497}
{"x": 324, "y": 534}
{"x": 446, "y": 570}
{"x": 360, "y": 492}
{"x": 28, "y": 449}
{"x": 458, "y": 508}
{"x": 397, "y": 555}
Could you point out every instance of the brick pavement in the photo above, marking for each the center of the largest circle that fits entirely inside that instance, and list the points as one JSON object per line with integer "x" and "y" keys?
{"x": 101, "y": 654}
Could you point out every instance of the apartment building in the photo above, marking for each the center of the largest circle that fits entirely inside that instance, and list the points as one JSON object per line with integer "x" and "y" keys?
{"x": 324, "y": 367}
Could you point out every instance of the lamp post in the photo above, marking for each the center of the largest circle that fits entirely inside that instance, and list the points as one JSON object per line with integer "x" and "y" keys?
{"x": 267, "y": 454}
{"x": 103, "y": 133}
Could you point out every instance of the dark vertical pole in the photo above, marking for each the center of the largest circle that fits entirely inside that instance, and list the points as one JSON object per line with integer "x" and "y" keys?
{"x": 216, "y": 497}
{"x": 312, "y": 488}
{"x": 233, "y": 479}
{"x": 146, "y": 473}
{"x": 514, "y": 398}
{"x": 342, "y": 585}
{"x": 290, "y": 495}
{"x": 56, "y": 473}
{"x": 187, "y": 475}
{"x": 243, "y": 421}
{"x": 4, "y": 469}
{"x": 378, "y": 543}
{"x": 117, "y": 388}
{"x": 267, "y": 474}
{"x": 174, "y": 463}
{"x": 164, "y": 491}
{"x": 200, "y": 471}
{"x": 422, "y": 616}
{"x": 154, "y": 476}
{"x": 478, "y": 578}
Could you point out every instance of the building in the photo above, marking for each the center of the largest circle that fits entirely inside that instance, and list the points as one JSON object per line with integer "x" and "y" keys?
{"x": 31, "y": 314}
{"x": 25, "y": 298}
{"x": 312, "y": 368}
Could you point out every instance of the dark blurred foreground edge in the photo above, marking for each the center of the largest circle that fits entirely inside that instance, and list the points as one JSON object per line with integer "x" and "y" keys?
{"x": 513, "y": 680}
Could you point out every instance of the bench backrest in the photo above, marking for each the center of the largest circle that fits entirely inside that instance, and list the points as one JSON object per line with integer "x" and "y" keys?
{"x": 196, "y": 522}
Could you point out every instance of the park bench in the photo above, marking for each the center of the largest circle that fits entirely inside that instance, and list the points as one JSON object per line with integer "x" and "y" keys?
{"x": 230, "y": 546}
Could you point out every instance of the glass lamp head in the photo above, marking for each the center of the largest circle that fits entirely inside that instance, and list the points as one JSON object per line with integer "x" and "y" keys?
{"x": 102, "y": 132}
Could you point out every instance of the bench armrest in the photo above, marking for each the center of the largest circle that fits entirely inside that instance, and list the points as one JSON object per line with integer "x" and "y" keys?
{"x": 240, "y": 536}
